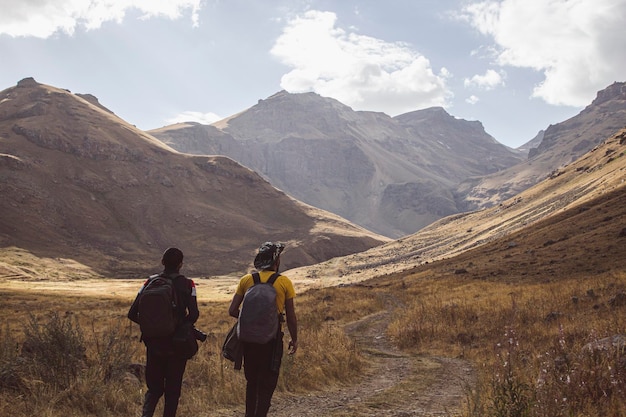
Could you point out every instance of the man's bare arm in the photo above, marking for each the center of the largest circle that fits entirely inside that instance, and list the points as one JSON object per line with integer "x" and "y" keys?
{"x": 233, "y": 310}
{"x": 292, "y": 325}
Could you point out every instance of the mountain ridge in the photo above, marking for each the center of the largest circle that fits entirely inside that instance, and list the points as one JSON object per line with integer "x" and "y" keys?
{"x": 84, "y": 184}
{"x": 594, "y": 187}
{"x": 36, "y": 136}
{"x": 402, "y": 173}
{"x": 561, "y": 144}
{"x": 365, "y": 166}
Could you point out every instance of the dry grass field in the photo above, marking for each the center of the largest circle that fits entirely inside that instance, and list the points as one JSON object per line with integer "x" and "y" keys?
{"x": 70, "y": 352}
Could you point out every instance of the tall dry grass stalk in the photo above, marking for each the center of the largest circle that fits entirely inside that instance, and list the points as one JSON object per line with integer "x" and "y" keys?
{"x": 542, "y": 349}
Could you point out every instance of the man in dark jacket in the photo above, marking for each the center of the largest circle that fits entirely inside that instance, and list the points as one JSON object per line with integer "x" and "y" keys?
{"x": 164, "y": 367}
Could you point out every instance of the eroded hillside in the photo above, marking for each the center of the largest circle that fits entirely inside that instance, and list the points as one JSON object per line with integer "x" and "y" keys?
{"x": 79, "y": 183}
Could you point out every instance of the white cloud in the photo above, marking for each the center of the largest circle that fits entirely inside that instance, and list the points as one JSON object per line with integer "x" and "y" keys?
{"x": 363, "y": 72}
{"x": 194, "y": 116}
{"x": 489, "y": 81}
{"x": 579, "y": 45}
{"x": 43, "y": 18}
{"x": 472, "y": 100}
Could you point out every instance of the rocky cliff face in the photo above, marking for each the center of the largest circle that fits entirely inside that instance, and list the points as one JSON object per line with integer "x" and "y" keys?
{"x": 602, "y": 118}
{"x": 390, "y": 175}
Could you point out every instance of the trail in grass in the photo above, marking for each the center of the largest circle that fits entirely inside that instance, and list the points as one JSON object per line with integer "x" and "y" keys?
{"x": 395, "y": 384}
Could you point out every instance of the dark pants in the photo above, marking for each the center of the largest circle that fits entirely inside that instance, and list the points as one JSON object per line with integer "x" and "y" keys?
{"x": 261, "y": 379}
{"x": 164, "y": 375}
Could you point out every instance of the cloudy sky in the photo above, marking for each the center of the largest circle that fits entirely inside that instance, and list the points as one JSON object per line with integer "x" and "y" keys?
{"x": 515, "y": 65}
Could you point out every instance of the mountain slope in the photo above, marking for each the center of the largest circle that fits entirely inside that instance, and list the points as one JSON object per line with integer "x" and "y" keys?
{"x": 80, "y": 183}
{"x": 562, "y": 144}
{"x": 390, "y": 175}
{"x": 578, "y": 213}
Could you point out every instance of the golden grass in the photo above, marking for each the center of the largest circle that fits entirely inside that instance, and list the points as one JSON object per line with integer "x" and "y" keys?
{"x": 518, "y": 335}
{"x": 103, "y": 387}
{"x": 526, "y": 339}
{"x": 520, "y": 310}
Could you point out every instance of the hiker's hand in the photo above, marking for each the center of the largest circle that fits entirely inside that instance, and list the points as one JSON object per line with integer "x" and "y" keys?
{"x": 293, "y": 346}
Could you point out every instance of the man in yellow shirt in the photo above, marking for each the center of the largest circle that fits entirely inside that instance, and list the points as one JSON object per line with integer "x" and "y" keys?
{"x": 262, "y": 361}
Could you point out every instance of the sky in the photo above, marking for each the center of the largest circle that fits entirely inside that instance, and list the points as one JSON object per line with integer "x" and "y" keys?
{"x": 516, "y": 66}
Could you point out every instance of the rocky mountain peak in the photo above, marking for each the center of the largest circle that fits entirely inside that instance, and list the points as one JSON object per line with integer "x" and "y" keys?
{"x": 285, "y": 115}
{"x": 57, "y": 119}
{"x": 561, "y": 144}
{"x": 438, "y": 116}
{"x": 27, "y": 82}
{"x": 430, "y": 113}
{"x": 616, "y": 91}
{"x": 575, "y": 136}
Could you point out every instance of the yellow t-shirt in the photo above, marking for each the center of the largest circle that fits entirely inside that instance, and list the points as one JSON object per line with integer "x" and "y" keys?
{"x": 283, "y": 285}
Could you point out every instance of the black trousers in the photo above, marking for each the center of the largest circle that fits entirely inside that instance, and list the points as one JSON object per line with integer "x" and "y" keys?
{"x": 261, "y": 370}
{"x": 164, "y": 375}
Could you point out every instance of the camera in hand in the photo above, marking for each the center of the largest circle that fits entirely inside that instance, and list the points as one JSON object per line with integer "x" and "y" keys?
{"x": 200, "y": 335}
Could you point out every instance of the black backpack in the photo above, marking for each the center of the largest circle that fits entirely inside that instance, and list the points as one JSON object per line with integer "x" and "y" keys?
{"x": 231, "y": 348}
{"x": 258, "y": 318}
{"x": 158, "y": 313}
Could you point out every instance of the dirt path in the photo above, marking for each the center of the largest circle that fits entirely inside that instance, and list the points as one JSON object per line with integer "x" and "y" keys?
{"x": 395, "y": 384}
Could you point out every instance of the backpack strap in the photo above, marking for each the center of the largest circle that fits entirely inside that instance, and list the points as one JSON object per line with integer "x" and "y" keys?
{"x": 273, "y": 278}
{"x": 257, "y": 278}
{"x": 150, "y": 280}
{"x": 281, "y": 318}
{"x": 180, "y": 297}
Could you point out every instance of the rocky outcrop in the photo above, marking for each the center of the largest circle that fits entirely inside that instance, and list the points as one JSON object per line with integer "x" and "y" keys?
{"x": 601, "y": 119}
{"x": 561, "y": 144}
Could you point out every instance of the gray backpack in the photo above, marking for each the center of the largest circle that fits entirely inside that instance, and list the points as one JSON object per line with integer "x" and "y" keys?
{"x": 258, "y": 318}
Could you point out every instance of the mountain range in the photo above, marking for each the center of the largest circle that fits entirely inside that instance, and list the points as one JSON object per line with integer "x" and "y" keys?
{"x": 80, "y": 183}
{"x": 391, "y": 175}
